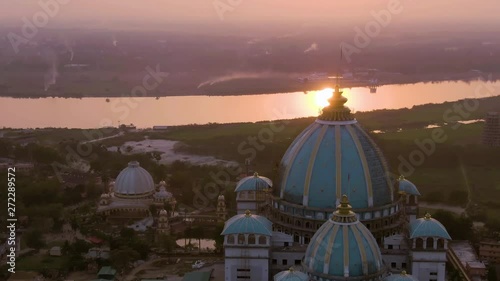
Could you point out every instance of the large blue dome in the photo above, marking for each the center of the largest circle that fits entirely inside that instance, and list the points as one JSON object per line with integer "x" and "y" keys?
{"x": 334, "y": 156}
{"x": 343, "y": 248}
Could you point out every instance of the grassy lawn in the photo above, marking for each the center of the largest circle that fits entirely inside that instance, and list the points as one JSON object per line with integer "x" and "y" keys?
{"x": 464, "y": 134}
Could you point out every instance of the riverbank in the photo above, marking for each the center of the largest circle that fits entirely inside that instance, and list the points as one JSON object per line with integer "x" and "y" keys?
{"x": 96, "y": 85}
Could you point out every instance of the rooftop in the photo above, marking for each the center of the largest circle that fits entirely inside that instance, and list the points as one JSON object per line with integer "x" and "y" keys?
{"x": 106, "y": 270}
{"x": 464, "y": 251}
{"x": 197, "y": 276}
{"x": 296, "y": 247}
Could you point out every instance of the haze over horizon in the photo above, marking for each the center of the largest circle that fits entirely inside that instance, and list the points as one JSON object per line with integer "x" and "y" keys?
{"x": 277, "y": 15}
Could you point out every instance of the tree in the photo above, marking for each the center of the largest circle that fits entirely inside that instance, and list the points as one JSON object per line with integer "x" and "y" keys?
{"x": 168, "y": 207}
{"x": 167, "y": 243}
{"x": 153, "y": 210}
{"x": 219, "y": 239}
{"x": 434, "y": 196}
{"x": 492, "y": 273}
{"x": 459, "y": 228}
{"x": 155, "y": 155}
{"x": 197, "y": 232}
{"x": 34, "y": 239}
{"x": 459, "y": 197}
{"x": 127, "y": 233}
{"x": 121, "y": 258}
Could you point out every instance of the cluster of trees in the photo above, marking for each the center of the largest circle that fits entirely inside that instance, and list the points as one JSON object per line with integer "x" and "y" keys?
{"x": 31, "y": 152}
{"x": 459, "y": 227}
{"x": 74, "y": 255}
{"x": 127, "y": 247}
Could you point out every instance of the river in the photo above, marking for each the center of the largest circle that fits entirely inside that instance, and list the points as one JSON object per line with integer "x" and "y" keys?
{"x": 180, "y": 110}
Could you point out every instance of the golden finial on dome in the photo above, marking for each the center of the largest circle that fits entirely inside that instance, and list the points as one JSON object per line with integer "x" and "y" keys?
{"x": 401, "y": 177}
{"x": 336, "y": 111}
{"x": 344, "y": 208}
{"x": 291, "y": 269}
{"x": 248, "y": 213}
{"x": 427, "y": 216}
{"x": 256, "y": 174}
{"x": 403, "y": 273}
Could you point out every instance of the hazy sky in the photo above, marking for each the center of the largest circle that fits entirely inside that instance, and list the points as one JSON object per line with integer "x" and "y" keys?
{"x": 154, "y": 13}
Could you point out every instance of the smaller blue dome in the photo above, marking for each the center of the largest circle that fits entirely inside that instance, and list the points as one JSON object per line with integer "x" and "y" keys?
{"x": 428, "y": 227}
{"x": 254, "y": 182}
{"x": 291, "y": 275}
{"x": 400, "y": 277}
{"x": 248, "y": 224}
{"x": 343, "y": 247}
{"x": 408, "y": 187}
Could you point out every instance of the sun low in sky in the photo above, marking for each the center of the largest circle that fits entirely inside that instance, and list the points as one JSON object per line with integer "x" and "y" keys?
{"x": 321, "y": 97}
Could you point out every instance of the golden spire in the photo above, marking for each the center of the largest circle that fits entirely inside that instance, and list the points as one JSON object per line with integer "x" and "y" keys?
{"x": 336, "y": 111}
{"x": 344, "y": 208}
{"x": 248, "y": 213}
{"x": 343, "y": 212}
{"x": 427, "y": 216}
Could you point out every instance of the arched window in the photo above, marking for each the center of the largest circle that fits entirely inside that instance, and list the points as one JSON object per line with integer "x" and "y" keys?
{"x": 440, "y": 244}
{"x": 230, "y": 239}
{"x": 262, "y": 240}
{"x": 430, "y": 243}
{"x": 243, "y": 195}
{"x": 241, "y": 239}
{"x": 251, "y": 239}
{"x": 296, "y": 237}
{"x": 308, "y": 224}
{"x": 306, "y": 239}
{"x": 419, "y": 243}
{"x": 298, "y": 223}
